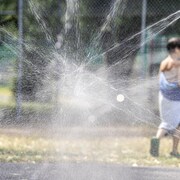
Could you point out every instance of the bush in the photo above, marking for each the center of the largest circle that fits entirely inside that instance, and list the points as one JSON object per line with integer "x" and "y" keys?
{"x": 32, "y": 114}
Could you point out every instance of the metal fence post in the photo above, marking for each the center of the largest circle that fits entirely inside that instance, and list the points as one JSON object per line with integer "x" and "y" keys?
{"x": 143, "y": 36}
{"x": 20, "y": 58}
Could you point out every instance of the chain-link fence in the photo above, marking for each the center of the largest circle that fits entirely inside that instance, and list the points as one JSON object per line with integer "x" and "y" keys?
{"x": 122, "y": 17}
{"x": 133, "y": 32}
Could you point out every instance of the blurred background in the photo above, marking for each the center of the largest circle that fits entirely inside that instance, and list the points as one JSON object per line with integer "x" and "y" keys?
{"x": 29, "y": 39}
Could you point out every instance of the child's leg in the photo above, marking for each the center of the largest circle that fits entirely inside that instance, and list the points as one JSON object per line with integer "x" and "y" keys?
{"x": 161, "y": 133}
{"x": 176, "y": 137}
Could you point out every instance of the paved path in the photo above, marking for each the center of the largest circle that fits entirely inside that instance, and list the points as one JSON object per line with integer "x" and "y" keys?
{"x": 84, "y": 171}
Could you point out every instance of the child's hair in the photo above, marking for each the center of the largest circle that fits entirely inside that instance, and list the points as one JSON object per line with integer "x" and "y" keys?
{"x": 172, "y": 44}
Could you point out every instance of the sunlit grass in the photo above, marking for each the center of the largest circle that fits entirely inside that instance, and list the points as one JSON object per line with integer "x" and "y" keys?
{"x": 6, "y": 91}
{"x": 6, "y": 94}
{"x": 132, "y": 151}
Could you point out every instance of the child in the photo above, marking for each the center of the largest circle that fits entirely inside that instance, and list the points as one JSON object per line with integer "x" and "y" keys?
{"x": 169, "y": 98}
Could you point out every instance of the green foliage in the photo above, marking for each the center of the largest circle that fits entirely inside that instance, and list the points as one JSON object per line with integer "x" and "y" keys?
{"x": 6, "y": 54}
{"x": 95, "y": 8}
{"x": 33, "y": 71}
{"x": 9, "y": 21}
{"x": 50, "y": 20}
{"x": 31, "y": 113}
{"x": 92, "y": 14}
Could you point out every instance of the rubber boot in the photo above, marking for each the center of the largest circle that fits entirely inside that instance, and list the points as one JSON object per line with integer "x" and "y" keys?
{"x": 154, "y": 147}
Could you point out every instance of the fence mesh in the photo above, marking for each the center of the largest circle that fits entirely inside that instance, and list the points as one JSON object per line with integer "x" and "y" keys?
{"x": 110, "y": 28}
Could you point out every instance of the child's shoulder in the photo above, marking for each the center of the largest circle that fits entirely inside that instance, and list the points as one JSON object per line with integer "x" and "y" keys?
{"x": 165, "y": 61}
{"x": 166, "y": 64}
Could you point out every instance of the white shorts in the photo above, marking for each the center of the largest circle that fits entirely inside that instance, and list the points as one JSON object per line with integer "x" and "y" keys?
{"x": 169, "y": 113}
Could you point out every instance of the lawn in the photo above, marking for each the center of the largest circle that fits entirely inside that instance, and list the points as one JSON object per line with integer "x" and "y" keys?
{"x": 5, "y": 94}
{"x": 34, "y": 146}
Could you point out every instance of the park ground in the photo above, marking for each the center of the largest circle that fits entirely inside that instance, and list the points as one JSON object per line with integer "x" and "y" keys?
{"x": 112, "y": 145}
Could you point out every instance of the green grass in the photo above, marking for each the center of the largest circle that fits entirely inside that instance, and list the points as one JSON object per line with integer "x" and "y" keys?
{"x": 5, "y": 91}
{"x": 5, "y": 94}
{"x": 9, "y": 102}
{"x": 134, "y": 151}
{"x": 129, "y": 150}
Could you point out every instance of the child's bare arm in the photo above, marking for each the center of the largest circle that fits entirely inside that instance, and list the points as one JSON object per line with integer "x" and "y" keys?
{"x": 166, "y": 65}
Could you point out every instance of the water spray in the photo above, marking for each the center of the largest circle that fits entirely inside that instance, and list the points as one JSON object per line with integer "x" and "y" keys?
{"x": 120, "y": 98}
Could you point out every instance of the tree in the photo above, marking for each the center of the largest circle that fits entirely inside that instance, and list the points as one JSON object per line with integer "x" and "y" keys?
{"x": 8, "y": 16}
{"x": 42, "y": 22}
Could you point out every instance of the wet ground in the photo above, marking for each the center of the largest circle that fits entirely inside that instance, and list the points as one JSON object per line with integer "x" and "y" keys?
{"x": 84, "y": 171}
